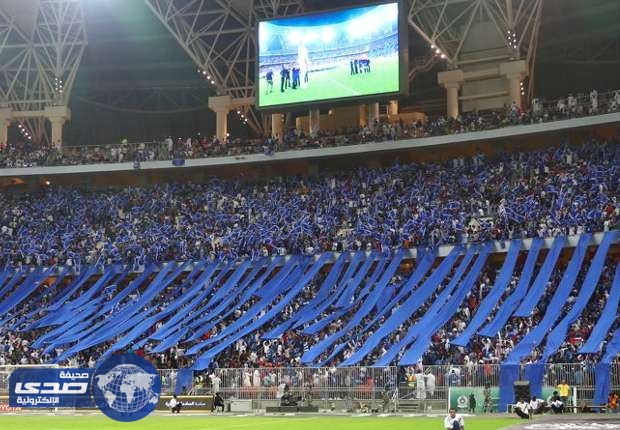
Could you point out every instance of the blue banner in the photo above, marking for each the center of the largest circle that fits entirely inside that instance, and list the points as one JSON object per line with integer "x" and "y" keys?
{"x": 50, "y": 388}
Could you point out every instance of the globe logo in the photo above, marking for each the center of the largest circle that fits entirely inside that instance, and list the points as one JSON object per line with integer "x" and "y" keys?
{"x": 126, "y": 387}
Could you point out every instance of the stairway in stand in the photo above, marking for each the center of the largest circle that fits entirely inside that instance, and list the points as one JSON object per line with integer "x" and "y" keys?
{"x": 410, "y": 406}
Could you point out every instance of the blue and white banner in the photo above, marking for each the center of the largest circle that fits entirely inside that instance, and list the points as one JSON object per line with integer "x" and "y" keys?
{"x": 51, "y": 388}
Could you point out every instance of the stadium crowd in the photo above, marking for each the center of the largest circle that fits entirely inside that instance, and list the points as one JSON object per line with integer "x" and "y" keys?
{"x": 472, "y": 363}
{"x": 555, "y": 191}
{"x": 560, "y": 190}
{"x": 24, "y": 154}
{"x": 486, "y": 350}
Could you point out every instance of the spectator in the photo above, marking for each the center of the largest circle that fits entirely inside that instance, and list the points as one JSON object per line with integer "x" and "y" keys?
{"x": 564, "y": 390}
{"x": 430, "y": 384}
{"x": 454, "y": 421}
{"x": 488, "y": 402}
{"x": 612, "y": 402}
{"x": 23, "y": 154}
{"x": 522, "y": 409}
{"x": 556, "y": 404}
{"x": 218, "y": 403}
{"x": 537, "y": 406}
{"x": 175, "y": 405}
{"x": 472, "y": 403}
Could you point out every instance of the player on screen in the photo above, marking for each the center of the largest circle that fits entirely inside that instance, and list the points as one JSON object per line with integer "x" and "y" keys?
{"x": 304, "y": 62}
{"x": 296, "y": 81}
{"x": 283, "y": 73}
{"x": 269, "y": 78}
{"x": 287, "y": 77}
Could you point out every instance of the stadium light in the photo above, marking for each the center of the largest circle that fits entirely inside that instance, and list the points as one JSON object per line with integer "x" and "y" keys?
{"x": 310, "y": 37}
{"x": 328, "y": 35}
{"x": 263, "y": 33}
{"x": 437, "y": 51}
{"x": 352, "y": 31}
{"x": 432, "y": 46}
{"x": 369, "y": 24}
{"x": 512, "y": 39}
{"x": 295, "y": 37}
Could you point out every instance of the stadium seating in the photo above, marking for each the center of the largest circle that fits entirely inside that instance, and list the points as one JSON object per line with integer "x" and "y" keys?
{"x": 556, "y": 191}
{"x": 24, "y": 154}
{"x": 317, "y": 271}
{"x": 272, "y": 312}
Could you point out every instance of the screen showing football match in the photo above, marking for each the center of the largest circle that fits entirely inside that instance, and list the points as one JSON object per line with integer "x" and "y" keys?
{"x": 331, "y": 55}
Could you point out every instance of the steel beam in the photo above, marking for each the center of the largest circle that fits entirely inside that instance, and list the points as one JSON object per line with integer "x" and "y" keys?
{"x": 220, "y": 37}
{"x": 445, "y": 24}
{"x": 39, "y": 70}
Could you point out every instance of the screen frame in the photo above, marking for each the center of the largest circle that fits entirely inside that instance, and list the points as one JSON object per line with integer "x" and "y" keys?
{"x": 403, "y": 65}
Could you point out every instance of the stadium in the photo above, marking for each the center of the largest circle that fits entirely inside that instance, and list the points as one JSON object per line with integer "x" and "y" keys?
{"x": 278, "y": 213}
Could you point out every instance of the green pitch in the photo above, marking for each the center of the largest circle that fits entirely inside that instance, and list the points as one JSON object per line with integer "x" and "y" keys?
{"x": 194, "y": 422}
{"x": 334, "y": 84}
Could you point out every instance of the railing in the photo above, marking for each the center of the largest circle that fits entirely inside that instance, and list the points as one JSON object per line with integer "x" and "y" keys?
{"x": 168, "y": 381}
{"x": 572, "y": 374}
{"x": 475, "y": 375}
{"x": 370, "y": 383}
{"x": 374, "y": 386}
{"x": 359, "y": 383}
{"x": 544, "y": 111}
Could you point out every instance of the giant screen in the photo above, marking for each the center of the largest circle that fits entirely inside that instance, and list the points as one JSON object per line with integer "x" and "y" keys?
{"x": 341, "y": 54}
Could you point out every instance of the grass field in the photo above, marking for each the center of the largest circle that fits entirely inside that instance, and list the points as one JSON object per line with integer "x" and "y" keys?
{"x": 195, "y": 422}
{"x": 335, "y": 83}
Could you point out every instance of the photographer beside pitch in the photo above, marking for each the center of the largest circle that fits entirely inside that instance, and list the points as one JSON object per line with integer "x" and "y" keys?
{"x": 453, "y": 421}
{"x": 175, "y": 405}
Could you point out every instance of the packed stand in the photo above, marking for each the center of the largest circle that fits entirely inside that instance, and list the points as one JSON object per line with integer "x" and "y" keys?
{"x": 483, "y": 350}
{"x": 556, "y": 191}
{"x": 24, "y": 154}
{"x": 254, "y": 351}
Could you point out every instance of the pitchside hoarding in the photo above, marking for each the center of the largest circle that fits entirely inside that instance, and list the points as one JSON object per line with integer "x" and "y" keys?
{"x": 459, "y": 397}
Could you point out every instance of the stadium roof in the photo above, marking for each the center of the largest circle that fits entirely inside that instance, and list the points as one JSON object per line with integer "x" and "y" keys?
{"x": 22, "y": 11}
{"x": 133, "y": 63}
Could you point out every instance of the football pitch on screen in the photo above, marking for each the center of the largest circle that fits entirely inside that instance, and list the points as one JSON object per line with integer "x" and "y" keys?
{"x": 162, "y": 421}
{"x": 334, "y": 84}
